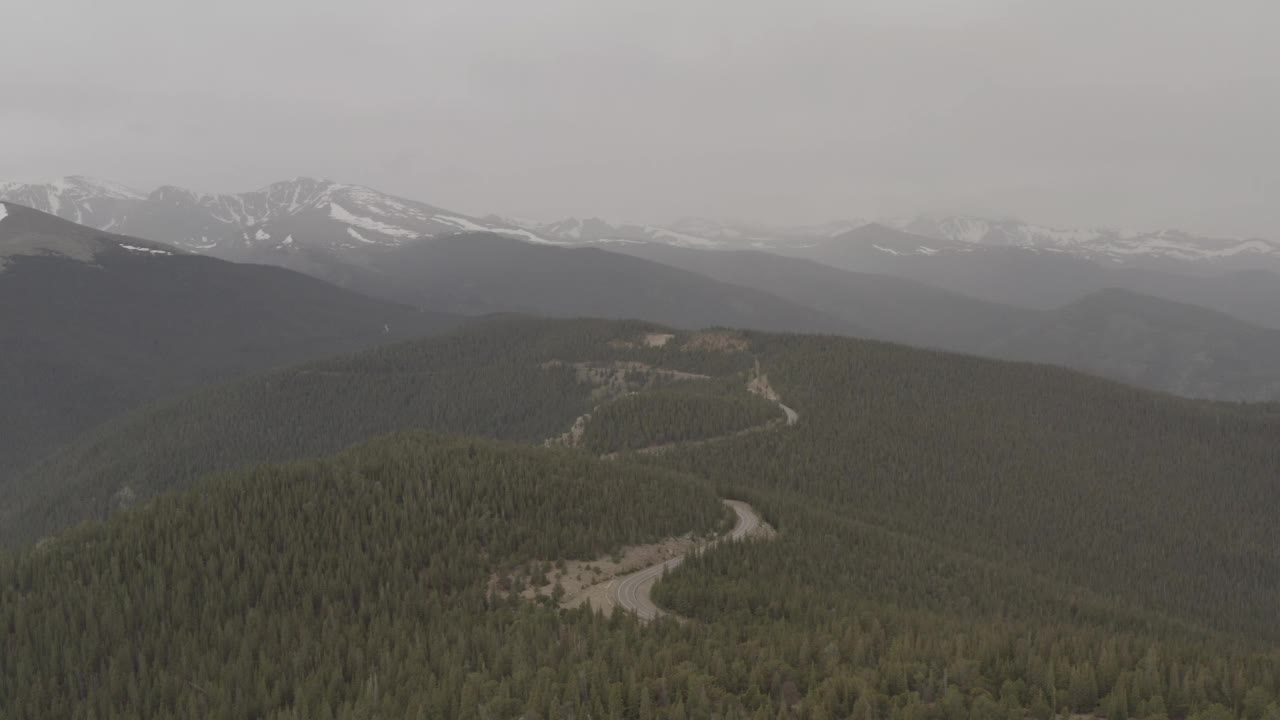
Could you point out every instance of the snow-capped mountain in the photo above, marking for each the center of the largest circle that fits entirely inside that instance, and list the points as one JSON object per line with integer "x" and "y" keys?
{"x": 594, "y": 231}
{"x": 762, "y": 236}
{"x": 88, "y": 201}
{"x": 690, "y": 232}
{"x": 302, "y": 214}
{"x": 289, "y": 222}
{"x": 1110, "y": 246}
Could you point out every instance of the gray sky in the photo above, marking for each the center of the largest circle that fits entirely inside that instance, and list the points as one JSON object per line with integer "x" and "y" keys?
{"x": 1145, "y": 113}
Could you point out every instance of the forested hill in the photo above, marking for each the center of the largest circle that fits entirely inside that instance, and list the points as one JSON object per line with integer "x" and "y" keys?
{"x": 355, "y": 586}
{"x": 512, "y": 378}
{"x": 959, "y": 539}
{"x": 1158, "y": 502}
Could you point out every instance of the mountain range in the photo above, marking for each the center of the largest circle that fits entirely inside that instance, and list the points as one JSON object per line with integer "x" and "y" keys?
{"x": 306, "y": 213}
{"x": 1166, "y": 249}
{"x": 1000, "y": 292}
{"x": 298, "y": 215}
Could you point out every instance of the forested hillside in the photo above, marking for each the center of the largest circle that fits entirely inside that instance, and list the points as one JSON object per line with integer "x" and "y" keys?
{"x": 958, "y": 539}
{"x": 681, "y": 414}
{"x": 1160, "y": 502}
{"x": 355, "y": 586}
{"x": 511, "y": 378}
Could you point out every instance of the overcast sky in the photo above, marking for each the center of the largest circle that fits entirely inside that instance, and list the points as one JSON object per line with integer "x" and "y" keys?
{"x": 1143, "y": 113}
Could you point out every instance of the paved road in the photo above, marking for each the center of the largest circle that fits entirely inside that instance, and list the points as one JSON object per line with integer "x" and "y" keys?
{"x": 632, "y": 592}
{"x": 792, "y": 416}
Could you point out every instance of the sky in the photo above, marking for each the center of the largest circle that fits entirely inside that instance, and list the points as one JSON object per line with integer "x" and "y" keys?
{"x": 1133, "y": 113}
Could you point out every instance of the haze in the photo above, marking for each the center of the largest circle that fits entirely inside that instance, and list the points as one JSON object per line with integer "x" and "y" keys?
{"x": 1143, "y": 114}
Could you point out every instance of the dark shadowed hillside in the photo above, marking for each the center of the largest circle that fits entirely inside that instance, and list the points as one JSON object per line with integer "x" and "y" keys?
{"x": 510, "y": 378}
{"x": 1008, "y": 275}
{"x": 94, "y": 324}
{"x": 1155, "y": 343}
{"x": 478, "y": 273}
{"x": 885, "y": 307}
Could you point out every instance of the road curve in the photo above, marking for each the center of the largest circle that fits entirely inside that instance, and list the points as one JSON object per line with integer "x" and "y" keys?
{"x": 792, "y": 416}
{"x": 633, "y": 592}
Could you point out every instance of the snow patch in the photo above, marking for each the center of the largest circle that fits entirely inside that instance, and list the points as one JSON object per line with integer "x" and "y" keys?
{"x": 466, "y": 225}
{"x": 4, "y": 211}
{"x": 145, "y": 250}
{"x": 682, "y": 239}
{"x": 261, "y": 235}
{"x": 356, "y": 234}
{"x": 527, "y": 236}
{"x": 462, "y": 223}
{"x": 341, "y": 214}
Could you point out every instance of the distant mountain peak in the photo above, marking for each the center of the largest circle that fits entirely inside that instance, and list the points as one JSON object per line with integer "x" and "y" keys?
{"x": 288, "y": 216}
{"x": 1108, "y": 245}
{"x": 88, "y": 186}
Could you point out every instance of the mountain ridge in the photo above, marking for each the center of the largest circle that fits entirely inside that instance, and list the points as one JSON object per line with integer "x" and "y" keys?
{"x": 227, "y": 224}
{"x": 97, "y": 323}
{"x": 277, "y": 218}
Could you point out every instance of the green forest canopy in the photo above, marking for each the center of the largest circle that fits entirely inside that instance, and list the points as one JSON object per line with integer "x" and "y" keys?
{"x": 960, "y": 538}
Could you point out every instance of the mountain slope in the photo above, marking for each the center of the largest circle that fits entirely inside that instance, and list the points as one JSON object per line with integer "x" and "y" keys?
{"x": 1117, "y": 334}
{"x": 1025, "y": 277}
{"x": 480, "y": 272}
{"x": 503, "y": 377}
{"x": 1014, "y": 462}
{"x": 1045, "y": 277}
{"x": 289, "y": 561}
{"x": 94, "y": 324}
{"x": 1042, "y": 471}
{"x": 884, "y": 307}
{"x": 100, "y": 204}
{"x": 690, "y": 232}
{"x": 1153, "y": 501}
{"x": 1154, "y": 343}
{"x": 265, "y": 225}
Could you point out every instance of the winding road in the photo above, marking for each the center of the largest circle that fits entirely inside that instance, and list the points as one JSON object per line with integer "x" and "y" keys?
{"x": 632, "y": 592}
